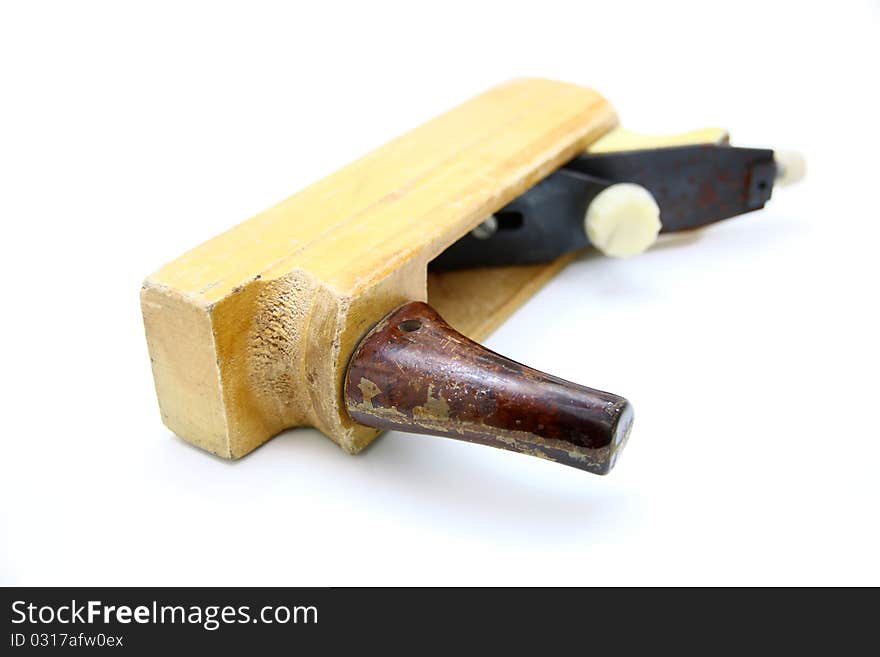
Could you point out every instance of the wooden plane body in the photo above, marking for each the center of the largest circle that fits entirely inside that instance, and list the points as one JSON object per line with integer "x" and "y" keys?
{"x": 250, "y": 333}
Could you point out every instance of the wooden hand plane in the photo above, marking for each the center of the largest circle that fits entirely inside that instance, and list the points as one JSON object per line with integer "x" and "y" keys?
{"x": 355, "y": 305}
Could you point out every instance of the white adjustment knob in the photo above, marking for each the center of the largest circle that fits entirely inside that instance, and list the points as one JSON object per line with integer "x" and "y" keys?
{"x": 623, "y": 220}
{"x": 790, "y": 167}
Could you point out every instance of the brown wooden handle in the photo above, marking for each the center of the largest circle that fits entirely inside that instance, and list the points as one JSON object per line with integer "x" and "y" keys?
{"x": 415, "y": 373}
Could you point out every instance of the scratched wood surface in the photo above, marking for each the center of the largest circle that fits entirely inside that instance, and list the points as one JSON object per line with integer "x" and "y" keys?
{"x": 250, "y": 332}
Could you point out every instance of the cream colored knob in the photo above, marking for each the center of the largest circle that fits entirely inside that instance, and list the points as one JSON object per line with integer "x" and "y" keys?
{"x": 790, "y": 167}
{"x": 623, "y": 220}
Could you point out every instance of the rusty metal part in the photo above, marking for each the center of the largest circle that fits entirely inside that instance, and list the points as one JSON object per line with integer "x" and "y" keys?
{"x": 415, "y": 373}
{"x": 693, "y": 186}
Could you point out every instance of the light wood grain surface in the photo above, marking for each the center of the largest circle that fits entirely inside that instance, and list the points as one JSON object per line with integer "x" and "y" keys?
{"x": 250, "y": 333}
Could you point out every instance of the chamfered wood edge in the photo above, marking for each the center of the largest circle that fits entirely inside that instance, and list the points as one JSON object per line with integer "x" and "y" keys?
{"x": 233, "y": 371}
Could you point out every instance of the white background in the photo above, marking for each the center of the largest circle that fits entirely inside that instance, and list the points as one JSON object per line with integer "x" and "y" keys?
{"x": 129, "y": 132}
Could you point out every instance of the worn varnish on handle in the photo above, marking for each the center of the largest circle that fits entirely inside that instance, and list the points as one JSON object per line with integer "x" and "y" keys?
{"x": 416, "y": 373}
{"x": 278, "y": 322}
{"x": 250, "y": 332}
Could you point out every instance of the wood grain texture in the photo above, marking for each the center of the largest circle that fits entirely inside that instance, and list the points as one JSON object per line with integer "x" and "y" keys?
{"x": 415, "y": 373}
{"x": 621, "y": 139}
{"x": 477, "y": 301}
{"x": 250, "y": 333}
